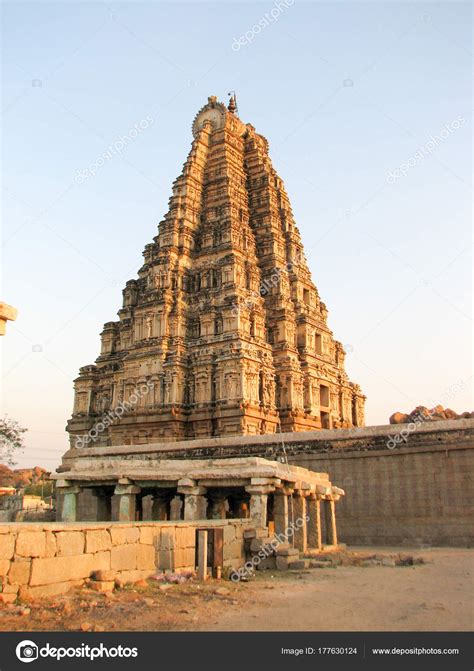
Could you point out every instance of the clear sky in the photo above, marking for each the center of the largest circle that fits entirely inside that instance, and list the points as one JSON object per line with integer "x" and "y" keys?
{"x": 366, "y": 107}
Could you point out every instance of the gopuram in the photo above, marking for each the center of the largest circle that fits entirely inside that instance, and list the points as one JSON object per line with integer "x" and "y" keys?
{"x": 223, "y": 333}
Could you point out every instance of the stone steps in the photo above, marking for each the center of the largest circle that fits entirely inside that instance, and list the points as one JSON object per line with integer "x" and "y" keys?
{"x": 282, "y": 557}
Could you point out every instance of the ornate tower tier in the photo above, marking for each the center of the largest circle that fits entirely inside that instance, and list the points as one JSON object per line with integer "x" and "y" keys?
{"x": 223, "y": 332}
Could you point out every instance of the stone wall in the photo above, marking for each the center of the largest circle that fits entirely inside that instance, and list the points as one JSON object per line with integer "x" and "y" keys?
{"x": 420, "y": 494}
{"x": 45, "y": 559}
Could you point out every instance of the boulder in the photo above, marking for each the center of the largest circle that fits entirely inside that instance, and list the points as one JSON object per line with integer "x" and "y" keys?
{"x": 398, "y": 418}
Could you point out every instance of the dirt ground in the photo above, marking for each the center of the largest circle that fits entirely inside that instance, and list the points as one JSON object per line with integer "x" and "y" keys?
{"x": 434, "y": 596}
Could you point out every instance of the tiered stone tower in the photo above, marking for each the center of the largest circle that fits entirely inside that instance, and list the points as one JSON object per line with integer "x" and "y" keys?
{"x": 223, "y": 333}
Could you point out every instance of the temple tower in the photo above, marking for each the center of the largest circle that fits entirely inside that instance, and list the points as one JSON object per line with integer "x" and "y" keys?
{"x": 223, "y": 332}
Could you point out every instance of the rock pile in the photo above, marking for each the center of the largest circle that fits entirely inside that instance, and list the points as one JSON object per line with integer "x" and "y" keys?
{"x": 423, "y": 414}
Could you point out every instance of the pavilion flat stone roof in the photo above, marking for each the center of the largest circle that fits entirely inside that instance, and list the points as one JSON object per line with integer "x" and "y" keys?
{"x": 252, "y": 470}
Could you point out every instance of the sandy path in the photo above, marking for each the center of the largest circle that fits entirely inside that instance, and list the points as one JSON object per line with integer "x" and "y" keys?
{"x": 436, "y": 596}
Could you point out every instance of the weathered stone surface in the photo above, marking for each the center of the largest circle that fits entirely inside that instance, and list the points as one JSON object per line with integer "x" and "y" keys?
{"x": 10, "y": 589}
{"x": 122, "y": 535}
{"x": 229, "y": 533}
{"x": 267, "y": 564}
{"x": 235, "y": 549}
{"x": 7, "y": 598}
{"x": 185, "y": 536}
{"x": 133, "y": 576}
{"x": 4, "y": 566}
{"x": 149, "y": 535}
{"x": 70, "y": 543}
{"x": 398, "y": 418}
{"x": 66, "y": 569}
{"x": 102, "y": 586}
{"x": 145, "y": 557}
{"x": 298, "y": 565}
{"x": 97, "y": 541}
{"x": 258, "y": 543}
{"x": 50, "y": 544}
{"x": 27, "y": 592}
{"x": 124, "y": 557}
{"x": 20, "y": 571}
{"x": 287, "y": 552}
{"x": 282, "y": 563}
{"x": 168, "y": 538}
{"x": 31, "y": 544}
{"x": 104, "y": 576}
{"x": 7, "y": 546}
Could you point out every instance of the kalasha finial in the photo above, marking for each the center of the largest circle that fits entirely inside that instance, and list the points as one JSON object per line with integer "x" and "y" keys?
{"x": 232, "y": 106}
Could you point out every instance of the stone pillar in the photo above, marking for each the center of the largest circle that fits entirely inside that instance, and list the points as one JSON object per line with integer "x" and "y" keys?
{"x": 147, "y": 502}
{"x": 159, "y": 508}
{"x": 314, "y": 523}
{"x": 69, "y": 506}
{"x": 127, "y": 507}
{"x": 202, "y": 555}
{"x": 330, "y": 519}
{"x": 218, "y": 511}
{"x": 258, "y": 503}
{"x": 280, "y": 510}
{"x": 195, "y": 503}
{"x": 300, "y": 523}
{"x": 176, "y": 508}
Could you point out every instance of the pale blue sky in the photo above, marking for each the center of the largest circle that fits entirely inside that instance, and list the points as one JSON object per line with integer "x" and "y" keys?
{"x": 344, "y": 92}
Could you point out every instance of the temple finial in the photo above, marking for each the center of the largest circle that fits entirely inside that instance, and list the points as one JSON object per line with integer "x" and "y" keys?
{"x": 232, "y": 106}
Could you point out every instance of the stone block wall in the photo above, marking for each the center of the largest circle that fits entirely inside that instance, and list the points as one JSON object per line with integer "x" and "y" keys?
{"x": 418, "y": 495}
{"x": 45, "y": 559}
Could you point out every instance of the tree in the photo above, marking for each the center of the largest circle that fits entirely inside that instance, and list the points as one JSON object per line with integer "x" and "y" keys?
{"x": 11, "y": 439}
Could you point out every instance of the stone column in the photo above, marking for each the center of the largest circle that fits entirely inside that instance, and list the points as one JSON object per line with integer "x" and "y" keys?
{"x": 300, "y": 524}
{"x": 127, "y": 507}
{"x": 147, "y": 502}
{"x": 314, "y": 523}
{"x": 202, "y": 555}
{"x": 218, "y": 511}
{"x": 176, "y": 507}
{"x": 330, "y": 519}
{"x": 280, "y": 510}
{"x": 159, "y": 508}
{"x": 195, "y": 503}
{"x": 258, "y": 503}
{"x": 69, "y": 506}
